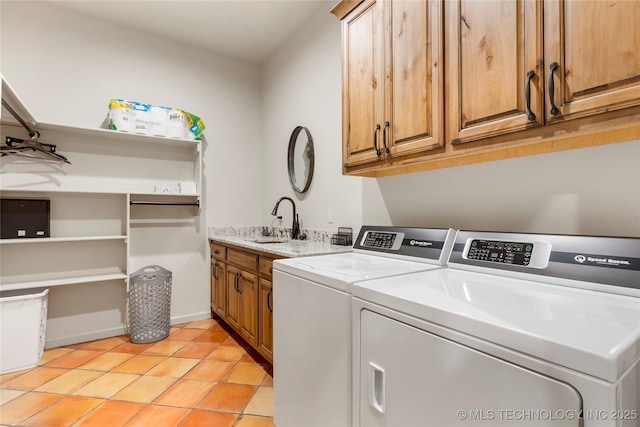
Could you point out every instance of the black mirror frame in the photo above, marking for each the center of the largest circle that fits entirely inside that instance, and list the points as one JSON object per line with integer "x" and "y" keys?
{"x": 291, "y": 160}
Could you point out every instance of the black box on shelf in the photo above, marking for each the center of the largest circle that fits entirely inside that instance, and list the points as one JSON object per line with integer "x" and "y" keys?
{"x": 24, "y": 218}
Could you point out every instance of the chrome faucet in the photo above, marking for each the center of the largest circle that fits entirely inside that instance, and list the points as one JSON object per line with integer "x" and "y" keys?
{"x": 295, "y": 227}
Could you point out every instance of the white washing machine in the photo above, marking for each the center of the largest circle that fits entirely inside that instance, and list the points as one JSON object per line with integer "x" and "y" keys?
{"x": 519, "y": 330}
{"x": 312, "y": 329}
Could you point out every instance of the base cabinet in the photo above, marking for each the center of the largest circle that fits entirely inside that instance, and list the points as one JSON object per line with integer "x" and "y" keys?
{"x": 241, "y": 294}
{"x": 233, "y": 298}
{"x": 265, "y": 312}
{"x": 247, "y": 294}
{"x": 218, "y": 287}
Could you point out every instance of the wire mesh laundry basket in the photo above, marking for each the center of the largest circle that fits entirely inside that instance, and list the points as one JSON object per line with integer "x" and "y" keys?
{"x": 149, "y": 304}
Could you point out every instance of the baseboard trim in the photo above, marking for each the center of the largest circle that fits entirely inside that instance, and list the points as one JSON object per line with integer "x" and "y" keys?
{"x": 114, "y": 332}
{"x": 76, "y": 339}
{"x": 190, "y": 318}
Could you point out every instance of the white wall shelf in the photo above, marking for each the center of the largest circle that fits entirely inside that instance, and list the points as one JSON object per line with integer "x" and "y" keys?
{"x": 91, "y": 198}
{"x": 113, "y": 135}
{"x": 104, "y": 161}
{"x": 28, "y": 281}
{"x": 61, "y": 260}
{"x": 35, "y": 192}
{"x": 45, "y": 240}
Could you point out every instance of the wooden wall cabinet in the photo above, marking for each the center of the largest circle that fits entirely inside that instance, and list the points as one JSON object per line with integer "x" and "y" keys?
{"x": 494, "y": 68}
{"x": 241, "y": 293}
{"x": 392, "y": 80}
{"x": 511, "y": 67}
{"x": 512, "y": 78}
{"x": 595, "y": 46}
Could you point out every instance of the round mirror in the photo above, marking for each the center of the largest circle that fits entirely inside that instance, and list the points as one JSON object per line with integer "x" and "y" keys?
{"x": 300, "y": 159}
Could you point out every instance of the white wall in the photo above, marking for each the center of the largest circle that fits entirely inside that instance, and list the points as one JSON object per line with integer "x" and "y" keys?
{"x": 65, "y": 67}
{"x": 585, "y": 191}
{"x": 301, "y": 85}
{"x": 593, "y": 191}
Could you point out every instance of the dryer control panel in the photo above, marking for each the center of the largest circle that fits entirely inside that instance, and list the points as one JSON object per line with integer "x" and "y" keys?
{"x": 497, "y": 251}
{"x": 579, "y": 261}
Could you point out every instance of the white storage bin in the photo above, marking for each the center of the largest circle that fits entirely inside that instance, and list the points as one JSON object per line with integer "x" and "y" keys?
{"x": 23, "y": 323}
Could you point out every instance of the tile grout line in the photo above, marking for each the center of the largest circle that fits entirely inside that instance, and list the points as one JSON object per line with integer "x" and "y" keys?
{"x": 230, "y": 341}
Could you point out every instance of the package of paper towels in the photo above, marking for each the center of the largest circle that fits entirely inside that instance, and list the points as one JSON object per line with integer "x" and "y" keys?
{"x": 148, "y": 119}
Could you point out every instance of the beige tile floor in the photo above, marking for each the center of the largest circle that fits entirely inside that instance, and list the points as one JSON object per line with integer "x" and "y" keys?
{"x": 201, "y": 375}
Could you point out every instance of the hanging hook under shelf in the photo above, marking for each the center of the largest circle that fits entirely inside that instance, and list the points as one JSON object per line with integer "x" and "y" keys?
{"x": 19, "y": 146}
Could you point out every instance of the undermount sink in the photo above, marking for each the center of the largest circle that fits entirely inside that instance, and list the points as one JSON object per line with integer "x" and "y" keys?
{"x": 270, "y": 239}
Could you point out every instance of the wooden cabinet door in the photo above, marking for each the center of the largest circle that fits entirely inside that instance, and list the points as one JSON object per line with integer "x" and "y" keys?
{"x": 248, "y": 289}
{"x": 492, "y": 48}
{"x": 593, "y": 47}
{"x": 362, "y": 83}
{"x": 233, "y": 297}
{"x": 414, "y": 84}
{"x": 219, "y": 288}
{"x": 265, "y": 313}
{"x": 213, "y": 281}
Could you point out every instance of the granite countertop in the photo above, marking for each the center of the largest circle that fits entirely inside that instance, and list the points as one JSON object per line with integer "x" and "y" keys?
{"x": 317, "y": 243}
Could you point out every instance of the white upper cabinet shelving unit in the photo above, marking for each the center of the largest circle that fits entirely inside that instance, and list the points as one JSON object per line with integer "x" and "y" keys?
{"x": 102, "y": 160}
{"x": 90, "y": 199}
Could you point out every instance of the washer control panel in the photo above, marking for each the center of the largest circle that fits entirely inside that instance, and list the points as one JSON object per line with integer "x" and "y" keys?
{"x": 382, "y": 240}
{"x": 429, "y": 245}
{"x": 533, "y": 254}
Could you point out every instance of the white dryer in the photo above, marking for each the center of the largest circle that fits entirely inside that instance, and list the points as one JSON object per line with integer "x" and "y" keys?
{"x": 519, "y": 330}
{"x": 312, "y": 329}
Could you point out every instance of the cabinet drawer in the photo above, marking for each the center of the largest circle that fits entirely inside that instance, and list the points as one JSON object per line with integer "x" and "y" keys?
{"x": 243, "y": 259}
{"x": 218, "y": 251}
{"x": 266, "y": 266}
